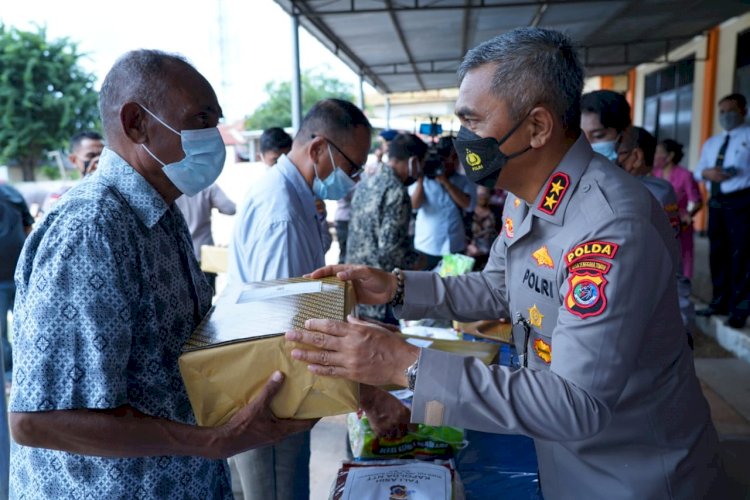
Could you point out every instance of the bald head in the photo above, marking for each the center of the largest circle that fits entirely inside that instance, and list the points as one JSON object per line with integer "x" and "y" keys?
{"x": 140, "y": 76}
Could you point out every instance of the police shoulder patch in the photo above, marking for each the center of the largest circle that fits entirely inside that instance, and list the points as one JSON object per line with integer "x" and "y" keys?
{"x": 590, "y": 249}
{"x": 555, "y": 191}
{"x": 586, "y": 296}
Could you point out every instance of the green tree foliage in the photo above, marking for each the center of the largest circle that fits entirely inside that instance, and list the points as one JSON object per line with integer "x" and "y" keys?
{"x": 45, "y": 96}
{"x": 277, "y": 110}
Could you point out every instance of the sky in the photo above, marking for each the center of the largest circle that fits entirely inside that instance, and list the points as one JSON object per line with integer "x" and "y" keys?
{"x": 256, "y": 40}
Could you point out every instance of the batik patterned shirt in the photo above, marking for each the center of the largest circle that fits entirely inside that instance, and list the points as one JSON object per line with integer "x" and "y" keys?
{"x": 378, "y": 230}
{"x": 108, "y": 291}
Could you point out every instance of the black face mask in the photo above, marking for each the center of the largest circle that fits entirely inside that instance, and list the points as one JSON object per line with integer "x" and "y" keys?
{"x": 481, "y": 156}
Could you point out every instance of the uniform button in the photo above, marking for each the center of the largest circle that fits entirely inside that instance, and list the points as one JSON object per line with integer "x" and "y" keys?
{"x": 586, "y": 188}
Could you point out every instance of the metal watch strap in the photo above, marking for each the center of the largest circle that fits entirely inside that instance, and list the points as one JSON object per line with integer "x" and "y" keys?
{"x": 411, "y": 374}
{"x": 398, "y": 297}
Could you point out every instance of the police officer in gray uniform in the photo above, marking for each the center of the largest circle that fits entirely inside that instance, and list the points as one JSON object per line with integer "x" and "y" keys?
{"x": 605, "y": 382}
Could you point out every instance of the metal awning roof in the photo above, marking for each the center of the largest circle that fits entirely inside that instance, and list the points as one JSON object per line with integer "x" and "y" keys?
{"x": 409, "y": 45}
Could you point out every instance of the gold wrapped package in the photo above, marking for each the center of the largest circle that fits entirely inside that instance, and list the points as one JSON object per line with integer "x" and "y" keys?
{"x": 240, "y": 343}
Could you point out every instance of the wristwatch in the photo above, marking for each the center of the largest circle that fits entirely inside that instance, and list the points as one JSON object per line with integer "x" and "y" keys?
{"x": 398, "y": 297}
{"x": 411, "y": 374}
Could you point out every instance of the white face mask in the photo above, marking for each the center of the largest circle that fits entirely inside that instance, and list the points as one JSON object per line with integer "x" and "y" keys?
{"x": 204, "y": 158}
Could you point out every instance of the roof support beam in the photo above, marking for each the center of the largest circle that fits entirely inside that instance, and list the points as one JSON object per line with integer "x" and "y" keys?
{"x": 402, "y": 39}
{"x": 299, "y": 7}
{"x": 430, "y": 8}
{"x": 465, "y": 36}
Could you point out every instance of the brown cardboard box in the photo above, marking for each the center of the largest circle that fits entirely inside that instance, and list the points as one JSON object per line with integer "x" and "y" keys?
{"x": 240, "y": 342}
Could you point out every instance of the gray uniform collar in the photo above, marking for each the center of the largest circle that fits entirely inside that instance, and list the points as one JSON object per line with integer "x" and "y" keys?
{"x": 554, "y": 197}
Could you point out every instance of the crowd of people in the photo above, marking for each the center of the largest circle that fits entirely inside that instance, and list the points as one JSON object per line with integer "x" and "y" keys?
{"x": 580, "y": 224}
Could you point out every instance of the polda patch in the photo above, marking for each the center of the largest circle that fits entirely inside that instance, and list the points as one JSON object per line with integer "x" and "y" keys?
{"x": 591, "y": 249}
{"x": 555, "y": 191}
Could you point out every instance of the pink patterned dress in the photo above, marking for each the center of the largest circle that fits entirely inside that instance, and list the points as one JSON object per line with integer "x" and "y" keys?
{"x": 687, "y": 190}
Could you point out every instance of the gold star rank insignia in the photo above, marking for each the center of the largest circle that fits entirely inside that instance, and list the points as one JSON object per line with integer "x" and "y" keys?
{"x": 555, "y": 191}
{"x": 516, "y": 202}
{"x": 535, "y": 316}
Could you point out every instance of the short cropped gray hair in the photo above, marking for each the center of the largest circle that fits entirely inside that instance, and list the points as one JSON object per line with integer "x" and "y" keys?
{"x": 534, "y": 66}
{"x": 137, "y": 76}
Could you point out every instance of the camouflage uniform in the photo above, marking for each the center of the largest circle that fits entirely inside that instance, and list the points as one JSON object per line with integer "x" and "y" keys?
{"x": 378, "y": 230}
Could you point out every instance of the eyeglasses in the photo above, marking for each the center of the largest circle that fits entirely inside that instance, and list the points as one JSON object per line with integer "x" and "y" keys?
{"x": 355, "y": 168}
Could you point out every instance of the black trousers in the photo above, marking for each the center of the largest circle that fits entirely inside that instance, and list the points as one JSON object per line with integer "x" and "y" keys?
{"x": 729, "y": 238}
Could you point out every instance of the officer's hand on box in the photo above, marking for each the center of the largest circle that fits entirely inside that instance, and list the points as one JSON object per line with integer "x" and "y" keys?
{"x": 255, "y": 425}
{"x": 372, "y": 286}
{"x": 354, "y": 350}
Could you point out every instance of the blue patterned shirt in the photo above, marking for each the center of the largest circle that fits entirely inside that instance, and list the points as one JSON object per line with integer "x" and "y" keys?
{"x": 108, "y": 291}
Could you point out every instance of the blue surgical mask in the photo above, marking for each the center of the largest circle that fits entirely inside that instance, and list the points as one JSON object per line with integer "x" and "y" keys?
{"x": 606, "y": 149}
{"x": 333, "y": 187}
{"x": 204, "y": 158}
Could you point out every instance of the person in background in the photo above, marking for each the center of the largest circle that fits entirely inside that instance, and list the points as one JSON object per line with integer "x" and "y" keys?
{"x": 15, "y": 224}
{"x": 277, "y": 235}
{"x": 380, "y": 152}
{"x": 197, "y": 212}
{"x": 381, "y": 209}
{"x": 667, "y": 166}
{"x": 635, "y": 154}
{"x": 605, "y": 115}
{"x": 725, "y": 164}
{"x": 483, "y": 229}
{"x": 85, "y": 149}
{"x": 108, "y": 292}
{"x": 440, "y": 201}
{"x": 274, "y": 142}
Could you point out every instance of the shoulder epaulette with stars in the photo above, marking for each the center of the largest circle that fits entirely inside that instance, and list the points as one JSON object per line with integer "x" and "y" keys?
{"x": 555, "y": 191}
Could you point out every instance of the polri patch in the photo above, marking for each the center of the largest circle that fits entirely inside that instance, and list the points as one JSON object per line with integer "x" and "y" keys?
{"x": 555, "y": 191}
{"x": 539, "y": 284}
{"x": 543, "y": 350}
